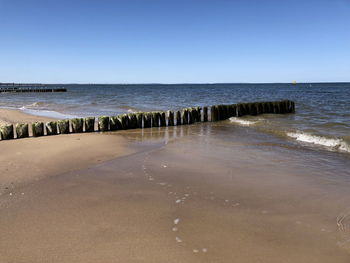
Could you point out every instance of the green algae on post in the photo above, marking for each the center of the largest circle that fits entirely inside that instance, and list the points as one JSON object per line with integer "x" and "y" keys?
{"x": 89, "y": 124}
{"x": 51, "y": 128}
{"x": 115, "y": 123}
{"x": 162, "y": 119}
{"x": 178, "y": 118}
{"x": 184, "y": 116}
{"x": 132, "y": 121}
{"x": 139, "y": 117}
{"x": 190, "y": 115}
{"x": 38, "y": 129}
{"x": 214, "y": 113}
{"x": 77, "y": 125}
{"x": 103, "y": 123}
{"x": 63, "y": 126}
{"x": 22, "y": 130}
{"x": 147, "y": 121}
{"x": 199, "y": 114}
{"x": 155, "y": 119}
{"x": 125, "y": 121}
{"x": 205, "y": 114}
{"x": 6, "y": 132}
{"x": 170, "y": 118}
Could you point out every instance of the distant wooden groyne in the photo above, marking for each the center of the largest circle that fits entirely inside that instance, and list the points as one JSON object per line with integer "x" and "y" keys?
{"x": 143, "y": 120}
{"x": 27, "y": 87}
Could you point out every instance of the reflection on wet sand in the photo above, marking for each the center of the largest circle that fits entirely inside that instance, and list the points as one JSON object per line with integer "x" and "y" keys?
{"x": 185, "y": 196}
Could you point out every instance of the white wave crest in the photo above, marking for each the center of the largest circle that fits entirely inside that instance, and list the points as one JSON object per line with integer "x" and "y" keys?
{"x": 242, "y": 122}
{"x": 333, "y": 143}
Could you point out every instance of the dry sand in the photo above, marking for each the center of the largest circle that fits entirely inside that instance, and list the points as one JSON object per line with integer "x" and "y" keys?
{"x": 8, "y": 116}
{"x": 25, "y": 160}
{"x": 169, "y": 195}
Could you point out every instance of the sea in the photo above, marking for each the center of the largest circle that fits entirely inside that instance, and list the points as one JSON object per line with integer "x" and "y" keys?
{"x": 321, "y": 121}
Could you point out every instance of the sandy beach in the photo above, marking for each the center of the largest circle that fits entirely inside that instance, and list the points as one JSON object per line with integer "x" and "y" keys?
{"x": 167, "y": 195}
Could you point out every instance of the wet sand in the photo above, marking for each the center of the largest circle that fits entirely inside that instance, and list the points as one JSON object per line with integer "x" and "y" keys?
{"x": 201, "y": 193}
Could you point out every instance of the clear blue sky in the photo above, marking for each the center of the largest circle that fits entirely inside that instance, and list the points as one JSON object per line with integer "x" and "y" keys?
{"x": 174, "y": 41}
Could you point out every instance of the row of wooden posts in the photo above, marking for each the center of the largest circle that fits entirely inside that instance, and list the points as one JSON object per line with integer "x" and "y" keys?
{"x": 145, "y": 119}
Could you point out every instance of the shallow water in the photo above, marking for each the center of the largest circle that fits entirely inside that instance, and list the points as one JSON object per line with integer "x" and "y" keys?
{"x": 210, "y": 192}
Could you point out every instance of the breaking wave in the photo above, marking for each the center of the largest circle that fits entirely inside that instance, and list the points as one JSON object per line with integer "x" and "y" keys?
{"x": 332, "y": 143}
{"x": 242, "y": 122}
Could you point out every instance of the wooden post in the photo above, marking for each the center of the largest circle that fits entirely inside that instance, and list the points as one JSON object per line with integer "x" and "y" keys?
{"x": 103, "y": 123}
{"x": 22, "y": 130}
{"x": 205, "y": 114}
{"x": 147, "y": 123}
{"x": 6, "y": 132}
{"x": 214, "y": 113}
{"x": 184, "y": 116}
{"x": 132, "y": 121}
{"x": 77, "y": 125}
{"x": 276, "y": 107}
{"x": 63, "y": 126}
{"x": 178, "y": 118}
{"x": 38, "y": 129}
{"x": 233, "y": 110}
{"x": 139, "y": 117}
{"x": 191, "y": 115}
{"x": 89, "y": 124}
{"x": 199, "y": 114}
{"x": 51, "y": 128}
{"x": 253, "y": 109}
{"x": 155, "y": 119}
{"x": 292, "y": 107}
{"x": 124, "y": 120}
{"x": 162, "y": 119}
{"x": 170, "y": 118}
{"x": 115, "y": 123}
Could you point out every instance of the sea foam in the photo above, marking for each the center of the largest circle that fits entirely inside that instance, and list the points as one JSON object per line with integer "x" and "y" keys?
{"x": 332, "y": 143}
{"x": 242, "y": 122}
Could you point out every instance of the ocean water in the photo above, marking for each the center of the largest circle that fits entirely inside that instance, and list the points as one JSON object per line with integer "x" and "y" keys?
{"x": 321, "y": 121}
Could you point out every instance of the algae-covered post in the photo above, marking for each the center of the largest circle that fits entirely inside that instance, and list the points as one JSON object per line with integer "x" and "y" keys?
{"x": 178, "y": 118}
{"x": 191, "y": 115}
{"x": 139, "y": 117}
{"x": 170, "y": 118}
{"x": 185, "y": 116}
{"x": 205, "y": 114}
{"x": 22, "y": 130}
{"x": 63, "y": 126}
{"x": 214, "y": 113}
{"x": 77, "y": 125}
{"x": 199, "y": 114}
{"x": 155, "y": 119}
{"x": 6, "y": 132}
{"x": 51, "y": 128}
{"x": 89, "y": 124}
{"x": 276, "y": 107}
{"x": 132, "y": 121}
{"x": 125, "y": 121}
{"x": 147, "y": 123}
{"x": 220, "y": 111}
{"x": 103, "y": 123}
{"x": 162, "y": 119}
{"x": 115, "y": 123}
{"x": 38, "y": 129}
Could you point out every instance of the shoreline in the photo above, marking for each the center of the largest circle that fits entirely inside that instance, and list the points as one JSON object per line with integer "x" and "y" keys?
{"x": 29, "y": 159}
{"x": 193, "y": 193}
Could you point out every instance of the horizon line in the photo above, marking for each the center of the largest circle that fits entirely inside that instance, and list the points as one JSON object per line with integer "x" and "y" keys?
{"x": 180, "y": 83}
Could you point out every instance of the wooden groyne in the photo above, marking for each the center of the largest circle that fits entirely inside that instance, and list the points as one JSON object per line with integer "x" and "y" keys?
{"x": 22, "y": 90}
{"x": 141, "y": 120}
{"x": 28, "y": 87}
